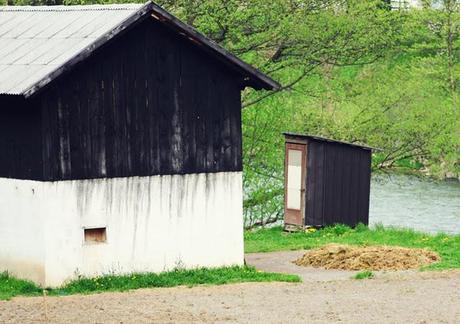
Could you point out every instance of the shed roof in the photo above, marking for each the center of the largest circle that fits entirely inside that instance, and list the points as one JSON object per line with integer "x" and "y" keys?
{"x": 38, "y": 43}
{"x": 324, "y": 139}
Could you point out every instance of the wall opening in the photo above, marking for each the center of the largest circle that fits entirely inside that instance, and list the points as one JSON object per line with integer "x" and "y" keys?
{"x": 95, "y": 235}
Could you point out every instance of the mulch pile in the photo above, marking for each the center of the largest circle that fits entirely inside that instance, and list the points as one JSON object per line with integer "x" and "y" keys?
{"x": 346, "y": 257}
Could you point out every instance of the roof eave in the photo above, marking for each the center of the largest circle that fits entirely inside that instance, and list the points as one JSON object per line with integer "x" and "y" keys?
{"x": 252, "y": 77}
{"x": 325, "y": 139}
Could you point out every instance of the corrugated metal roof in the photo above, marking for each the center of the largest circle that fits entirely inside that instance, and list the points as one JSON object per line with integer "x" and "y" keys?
{"x": 35, "y": 41}
{"x": 38, "y": 43}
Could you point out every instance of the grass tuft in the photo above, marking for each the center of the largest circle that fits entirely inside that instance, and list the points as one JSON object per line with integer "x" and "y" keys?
{"x": 10, "y": 287}
{"x": 364, "y": 275}
{"x": 275, "y": 239}
{"x": 179, "y": 277}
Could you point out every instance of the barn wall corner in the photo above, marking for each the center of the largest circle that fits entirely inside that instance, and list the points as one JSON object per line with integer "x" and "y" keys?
{"x": 153, "y": 224}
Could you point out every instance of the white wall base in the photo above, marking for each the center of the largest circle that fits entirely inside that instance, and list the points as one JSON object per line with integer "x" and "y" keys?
{"x": 153, "y": 224}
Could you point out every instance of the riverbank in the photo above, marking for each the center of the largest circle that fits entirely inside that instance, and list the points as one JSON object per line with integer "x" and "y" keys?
{"x": 275, "y": 239}
{"x": 414, "y": 168}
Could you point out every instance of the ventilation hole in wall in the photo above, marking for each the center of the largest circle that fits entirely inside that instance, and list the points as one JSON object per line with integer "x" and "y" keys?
{"x": 95, "y": 235}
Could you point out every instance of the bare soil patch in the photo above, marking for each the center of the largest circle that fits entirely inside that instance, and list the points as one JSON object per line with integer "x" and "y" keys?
{"x": 325, "y": 296}
{"x": 347, "y": 257}
{"x": 422, "y": 297}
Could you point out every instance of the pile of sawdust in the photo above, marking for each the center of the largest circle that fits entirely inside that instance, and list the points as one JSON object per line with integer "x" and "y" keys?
{"x": 346, "y": 257}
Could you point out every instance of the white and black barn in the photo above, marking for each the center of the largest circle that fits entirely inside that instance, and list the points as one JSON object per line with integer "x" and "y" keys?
{"x": 120, "y": 139}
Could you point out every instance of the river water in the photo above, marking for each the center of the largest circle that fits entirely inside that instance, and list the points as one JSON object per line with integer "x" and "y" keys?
{"x": 417, "y": 203}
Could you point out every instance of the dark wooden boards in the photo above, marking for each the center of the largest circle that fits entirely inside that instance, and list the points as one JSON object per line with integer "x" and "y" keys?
{"x": 150, "y": 103}
{"x": 252, "y": 77}
{"x": 20, "y": 139}
{"x": 338, "y": 184}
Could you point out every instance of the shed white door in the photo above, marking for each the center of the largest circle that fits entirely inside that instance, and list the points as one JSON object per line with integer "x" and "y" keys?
{"x": 294, "y": 192}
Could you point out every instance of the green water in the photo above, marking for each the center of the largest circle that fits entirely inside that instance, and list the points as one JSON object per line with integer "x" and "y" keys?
{"x": 418, "y": 203}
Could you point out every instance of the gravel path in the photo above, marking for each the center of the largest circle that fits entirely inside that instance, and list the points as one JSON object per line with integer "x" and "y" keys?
{"x": 282, "y": 262}
{"x": 409, "y": 297}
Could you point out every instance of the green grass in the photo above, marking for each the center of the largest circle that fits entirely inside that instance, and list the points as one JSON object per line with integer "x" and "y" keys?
{"x": 10, "y": 287}
{"x": 364, "y": 275}
{"x": 274, "y": 239}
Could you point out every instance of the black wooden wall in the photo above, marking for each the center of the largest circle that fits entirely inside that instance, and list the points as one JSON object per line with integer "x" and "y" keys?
{"x": 20, "y": 139}
{"x": 148, "y": 103}
{"x": 338, "y": 184}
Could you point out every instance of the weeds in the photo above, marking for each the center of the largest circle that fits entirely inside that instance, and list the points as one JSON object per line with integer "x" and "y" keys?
{"x": 10, "y": 287}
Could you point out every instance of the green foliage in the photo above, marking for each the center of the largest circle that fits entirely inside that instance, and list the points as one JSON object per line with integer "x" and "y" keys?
{"x": 364, "y": 275}
{"x": 274, "y": 239}
{"x": 10, "y": 287}
{"x": 338, "y": 229}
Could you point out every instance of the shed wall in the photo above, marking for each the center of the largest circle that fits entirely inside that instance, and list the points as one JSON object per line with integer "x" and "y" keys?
{"x": 20, "y": 139}
{"x": 338, "y": 184}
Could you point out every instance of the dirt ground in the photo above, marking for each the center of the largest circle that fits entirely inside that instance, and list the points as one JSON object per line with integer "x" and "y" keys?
{"x": 325, "y": 296}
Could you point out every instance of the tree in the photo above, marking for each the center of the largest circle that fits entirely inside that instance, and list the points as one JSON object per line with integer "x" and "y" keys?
{"x": 433, "y": 33}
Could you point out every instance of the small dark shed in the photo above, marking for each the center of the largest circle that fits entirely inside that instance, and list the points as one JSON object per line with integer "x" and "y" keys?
{"x": 326, "y": 182}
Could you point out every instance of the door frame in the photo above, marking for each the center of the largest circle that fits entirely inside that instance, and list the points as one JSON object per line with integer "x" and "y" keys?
{"x": 295, "y": 216}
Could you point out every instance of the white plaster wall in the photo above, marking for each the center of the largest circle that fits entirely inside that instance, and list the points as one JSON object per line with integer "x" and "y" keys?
{"x": 153, "y": 223}
{"x": 22, "y": 247}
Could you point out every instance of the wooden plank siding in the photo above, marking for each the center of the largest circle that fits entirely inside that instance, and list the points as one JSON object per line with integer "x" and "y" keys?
{"x": 150, "y": 103}
{"x": 338, "y": 184}
{"x": 20, "y": 139}
{"x": 315, "y": 188}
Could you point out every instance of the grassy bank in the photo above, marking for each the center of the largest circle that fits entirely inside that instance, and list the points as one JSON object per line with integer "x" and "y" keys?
{"x": 274, "y": 239}
{"x": 10, "y": 286}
